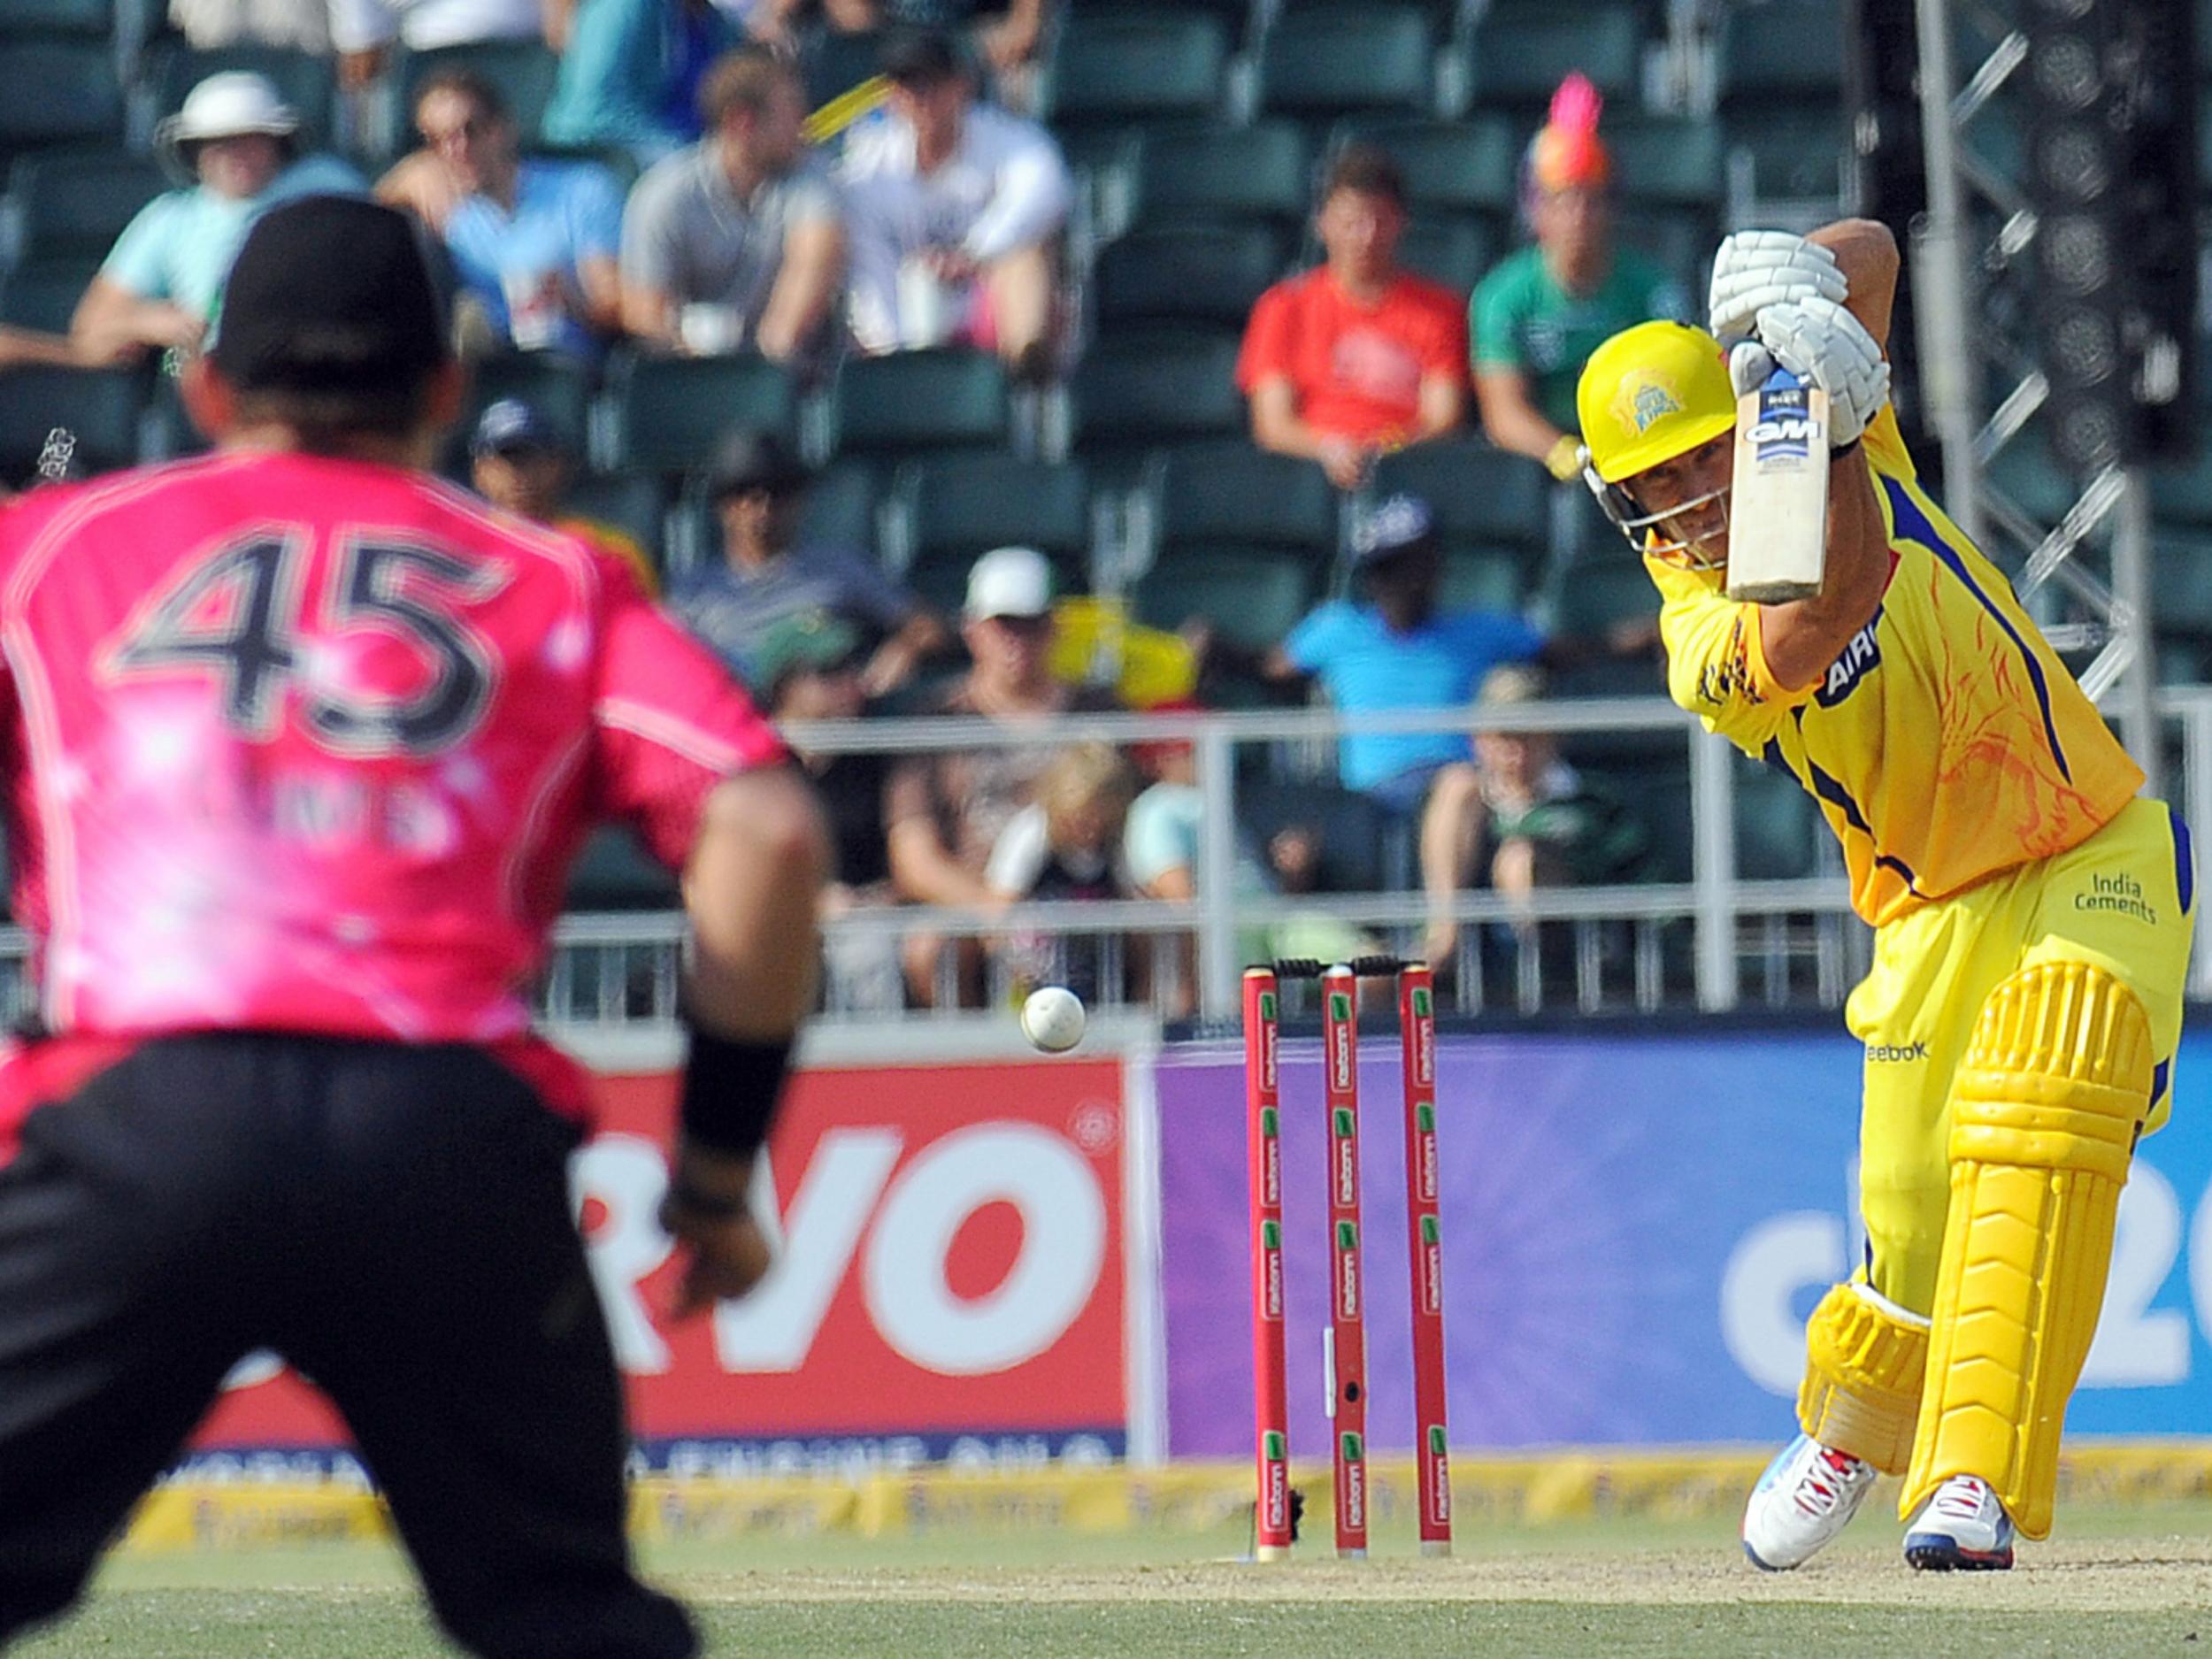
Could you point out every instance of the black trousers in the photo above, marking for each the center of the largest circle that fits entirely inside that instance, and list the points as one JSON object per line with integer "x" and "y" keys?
{"x": 395, "y": 1222}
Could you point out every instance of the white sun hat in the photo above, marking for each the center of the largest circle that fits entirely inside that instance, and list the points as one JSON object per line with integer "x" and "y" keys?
{"x": 228, "y": 105}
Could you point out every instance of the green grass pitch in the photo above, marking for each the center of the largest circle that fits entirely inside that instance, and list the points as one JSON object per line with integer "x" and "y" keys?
{"x": 2116, "y": 1582}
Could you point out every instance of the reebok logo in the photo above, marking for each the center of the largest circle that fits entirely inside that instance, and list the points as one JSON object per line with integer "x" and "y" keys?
{"x": 1895, "y": 1053}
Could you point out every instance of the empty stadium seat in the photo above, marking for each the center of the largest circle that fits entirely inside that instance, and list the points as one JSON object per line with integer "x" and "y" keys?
{"x": 840, "y": 508}
{"x": 57, "y": 91}
{"x": 671, "y": 413}
{"x": 613, "y": 873}
{"x": 99, "y": 405}
{"x": 1211, "y": 173}
{"x": 1252, "y": 599}
{"x": 1321, "y": 63}
{"x": 1666, "y": 161}
{"x": 44, "y": 295}
{"x": 56, "y": 17}
{"x": 634, "y": 502}
{"x": 303, "y": 81}
{"x": 834, "y": 65}
{"x": 1781, "y": 49}
{"x": 1457, "y": 252}
{"x": 523, "y": 71}
{"x": 1679, "y": 240}
{"x": 957, "y": 507}
{"x": 908, "y": 402}
{"x": 1477, "y": 581}
{"x": 1186, "y": 274}
{"x": 75, "y": 202}
{"x": 1132, "y": 393}
{"x": 1794, "y": 153}
{"x": 559, "y": 388}
{"x": 1481, "y": 497}
{"x": 1461, "y": 168}
{"x": 1205, "y": 496}
{"x": 1589, "y": 597}
{"x": 1124, "y": 67}
{"x": 1517, "y": 56}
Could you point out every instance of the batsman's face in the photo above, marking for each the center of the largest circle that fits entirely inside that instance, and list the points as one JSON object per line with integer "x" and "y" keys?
{"x": 1689, "y": 497}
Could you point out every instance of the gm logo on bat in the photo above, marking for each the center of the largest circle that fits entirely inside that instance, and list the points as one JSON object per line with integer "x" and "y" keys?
{"x": 1785, "y": 431}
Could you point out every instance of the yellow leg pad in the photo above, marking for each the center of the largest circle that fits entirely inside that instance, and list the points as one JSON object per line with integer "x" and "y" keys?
{"x": 2044, "y": 1112}
{"x": 1863, "y": 1368}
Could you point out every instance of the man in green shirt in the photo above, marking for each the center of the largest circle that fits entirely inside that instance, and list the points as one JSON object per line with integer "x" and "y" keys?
{"x": 1545, "y": 308}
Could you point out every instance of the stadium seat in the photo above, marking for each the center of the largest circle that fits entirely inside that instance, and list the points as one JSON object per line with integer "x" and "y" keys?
{"x": 1186, "y": 274}
{"x": 1457, "y": 252}
{"x": 1782, "y": 50}
{"x": 1616, "y": 677}
{"x": 1323, "y": 63}
{"x": 1461, "y": 168}
{"x": 1478, "y": 581}
{"x": 1481, "y": 497}
{"x": 613, "y": 873}
{"x": 1517, "y": 58}
{"x": 303, "y": 81}
{"x": 635, "y": 502}
{"x": 1794, "y": 152}
{"x": 559, "y": 388}
{"x": 56, "y": 91}
{"x": 1124, "y": 67}
{"x": 1680, "y": 240}
{"x": 44, "y": 295}
{"x": 75, "y": 202}
{"x": 1588, "y": 598}
{"x": 840, "y": 508}
{"x": 1664, "y": 161}
{"x": 910, "y": 402}
{"x": 1206, "y": 496}
{"x": 99, "y": 405}
{"x": 1778, "y": 827}
{"x": 1132, "y": 393}
{"x": 522, "y": 71}
{"x": 95, "y": 18}
{"x": 833, "y": 64}
{"x": 1354, "y": 830}
{"x": 1252, "y": 599}
{"x": 960, "y": 506}
{"x": 1212, "y": 173}
{"x": 671, "y": 413}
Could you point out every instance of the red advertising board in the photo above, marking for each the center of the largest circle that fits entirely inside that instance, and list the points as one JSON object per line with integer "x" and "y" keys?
{"x": 952, "y": 1264}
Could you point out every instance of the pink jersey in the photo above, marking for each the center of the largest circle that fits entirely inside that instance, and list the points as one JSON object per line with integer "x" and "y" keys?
{"x": 304, "y": 744}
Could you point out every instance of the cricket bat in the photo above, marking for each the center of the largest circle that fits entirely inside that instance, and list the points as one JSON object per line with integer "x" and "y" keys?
{"x": 1778, "y": 508}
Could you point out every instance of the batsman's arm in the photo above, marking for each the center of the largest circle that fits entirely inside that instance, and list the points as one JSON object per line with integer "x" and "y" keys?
{"x": 1801, "y": 638}
{"x": 1867, "y": 254}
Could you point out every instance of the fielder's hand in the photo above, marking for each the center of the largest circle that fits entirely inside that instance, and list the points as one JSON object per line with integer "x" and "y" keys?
{"x": 1820, "y": 341}
{"x": 706, "y": 1209}
{"x": 1758, "y": 268}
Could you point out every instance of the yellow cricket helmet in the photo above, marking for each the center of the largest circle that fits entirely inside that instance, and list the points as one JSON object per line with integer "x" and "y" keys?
{"x": 1650, "y": 393}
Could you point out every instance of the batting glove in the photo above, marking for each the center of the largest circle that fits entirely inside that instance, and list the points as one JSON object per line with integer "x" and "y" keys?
{"x": 1758, "y": 268}
{"x": 1820, "y": 341}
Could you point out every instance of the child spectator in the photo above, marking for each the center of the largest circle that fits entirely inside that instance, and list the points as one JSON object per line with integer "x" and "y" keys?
{"x": 1065, "y": 845}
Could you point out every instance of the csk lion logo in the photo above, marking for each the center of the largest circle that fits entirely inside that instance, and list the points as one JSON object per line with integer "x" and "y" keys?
{"x": 1650, "y": 400}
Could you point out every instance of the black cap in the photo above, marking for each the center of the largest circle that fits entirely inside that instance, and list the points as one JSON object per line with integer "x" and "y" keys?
{"x": 751, "y": 459}
{"x": 330, "y": 293}
{"x": 919, "y": 57}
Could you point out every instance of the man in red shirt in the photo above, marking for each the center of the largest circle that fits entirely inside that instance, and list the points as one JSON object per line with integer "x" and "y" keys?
{"x": 1355, "y": 357}
{"x": 299, "y": 743}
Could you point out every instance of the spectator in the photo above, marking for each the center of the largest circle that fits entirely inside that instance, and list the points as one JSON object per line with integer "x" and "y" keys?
{"x": 1540, "y": 313}
{"x": 363, "y": 30}
{"x": 736, "y": 243}
{"x": 954, "y": 209}
{"x": 630, "y": 73}
{"x": 1357, "y": 357}
{"x": 1519, "y": 816}
{"x": 207, "y": 25}
{"x": 1065, "y": 845}
{"x": 1009, "y": 42}
{"x": 161, "y": 282}
{"x": 29, "y": 348}
{"x": 758, "y": 488}
{"x": 519, "y": 463}
{"x": 944, "y": 812}
{"x": 533, "y": 244}
{"x": 1391, "y": 648}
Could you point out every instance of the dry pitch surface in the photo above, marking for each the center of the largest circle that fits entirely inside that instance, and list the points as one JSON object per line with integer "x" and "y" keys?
{"x": 2120, "y": 1582}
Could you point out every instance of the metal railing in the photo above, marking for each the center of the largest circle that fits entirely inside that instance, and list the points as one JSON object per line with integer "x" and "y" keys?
{"x": 1714, "y": 942}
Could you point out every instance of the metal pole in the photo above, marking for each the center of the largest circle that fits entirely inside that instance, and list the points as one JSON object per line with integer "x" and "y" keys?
{"x": 1939, "y": 293}
{"x": 1218, "y": 965}
{"x": 2131, "y": 625}
{"x": 1713, "y": 839}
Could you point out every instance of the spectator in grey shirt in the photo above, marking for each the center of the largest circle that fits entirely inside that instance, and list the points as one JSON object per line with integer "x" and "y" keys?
{"x": 735, "y": 243}
{"x": 759, "y": 492}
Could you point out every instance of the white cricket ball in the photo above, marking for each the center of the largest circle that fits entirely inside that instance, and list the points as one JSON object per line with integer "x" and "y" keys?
{"x": 1053, "y": 1018}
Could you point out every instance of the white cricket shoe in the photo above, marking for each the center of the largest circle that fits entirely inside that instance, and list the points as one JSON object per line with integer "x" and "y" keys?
{"x": 1962, "y": 1528}
{"x": 1808, "y": 1495}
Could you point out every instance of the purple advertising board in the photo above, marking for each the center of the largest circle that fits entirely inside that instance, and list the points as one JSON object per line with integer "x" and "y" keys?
{"x": 1635, "y": 1229}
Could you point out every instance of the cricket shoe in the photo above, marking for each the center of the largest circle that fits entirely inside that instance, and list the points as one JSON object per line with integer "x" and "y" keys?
{"x": 1963, "y": 1528}
{"x": 1808, "y": 1495}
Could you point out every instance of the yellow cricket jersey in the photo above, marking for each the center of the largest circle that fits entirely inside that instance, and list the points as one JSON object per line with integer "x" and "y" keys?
{"x": 1948, "y": 742}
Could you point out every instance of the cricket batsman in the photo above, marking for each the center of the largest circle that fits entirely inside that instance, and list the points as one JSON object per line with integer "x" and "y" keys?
{"x": 2033, "y": 912}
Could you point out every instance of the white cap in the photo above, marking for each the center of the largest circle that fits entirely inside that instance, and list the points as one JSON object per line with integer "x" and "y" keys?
{"x": 230, "y": 105}
{"x": 1009, "y": 582}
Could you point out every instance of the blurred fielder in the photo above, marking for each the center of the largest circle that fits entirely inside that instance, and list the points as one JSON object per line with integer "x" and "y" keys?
{"x": 299, "y": 745}
{"x": 2032, "y": 912}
